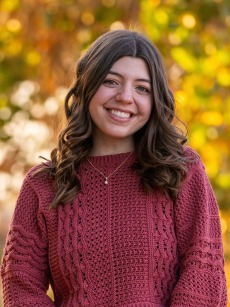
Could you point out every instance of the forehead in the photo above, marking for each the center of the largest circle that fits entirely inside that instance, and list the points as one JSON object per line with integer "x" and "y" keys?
{"x": 131, "y": 66}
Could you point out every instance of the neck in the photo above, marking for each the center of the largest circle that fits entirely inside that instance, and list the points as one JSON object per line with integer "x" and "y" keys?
{"x": 102, "y": 147}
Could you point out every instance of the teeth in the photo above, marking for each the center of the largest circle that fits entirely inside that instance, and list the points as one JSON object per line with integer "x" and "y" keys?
{"x": 120, "y": 114}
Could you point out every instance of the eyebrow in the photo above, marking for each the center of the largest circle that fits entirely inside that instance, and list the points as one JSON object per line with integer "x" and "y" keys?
{"x": 119, "y": 75}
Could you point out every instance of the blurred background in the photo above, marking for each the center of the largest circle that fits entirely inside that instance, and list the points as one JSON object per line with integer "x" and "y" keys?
{"x": 40, "y": 42}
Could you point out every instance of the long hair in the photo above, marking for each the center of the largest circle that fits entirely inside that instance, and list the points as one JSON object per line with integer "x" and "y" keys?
{"x": 158, "y": 145}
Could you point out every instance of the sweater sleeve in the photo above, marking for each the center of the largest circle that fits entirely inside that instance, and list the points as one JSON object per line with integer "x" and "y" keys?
{"x": 24, "y": 268}
{"x": 202, "y": 281}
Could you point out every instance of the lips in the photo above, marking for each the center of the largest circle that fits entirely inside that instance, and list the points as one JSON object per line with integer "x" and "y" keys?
{"x": 120, "y": 114}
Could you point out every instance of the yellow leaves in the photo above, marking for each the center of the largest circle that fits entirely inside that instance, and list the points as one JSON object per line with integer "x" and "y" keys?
{"x": 33, "y": 58}
{"x": 9, "y": 5}
{"x": 223, "y": 180}
{"x": 155, "y": 3}
{"x": 14, "y": 48}
{"x": 83, "y": 36}
{"x": 204, "y": 136}
{"x": 212, "y": 118}
{"x": 223, "y": 76}
{"x": 207, "y": 83}
{"x": 198, "y": 137}
{"x": 174, "y": 38}
{"x": 188, "y": 20}
{"x": 11, "y": 44}
{"x": 172, "y": 2}
{"x": 87, "y": 18}
{"x": 212, "y": 133}
{"x": 184, "y": 58}
{"x": 216, "y": 64}
{"x": 154, "y": 17}
{"x": 211, "y": 157}
{"x": 5, "y": 111}
{"x": 227, "y": 111}
{"x": 3, "y": 100}
{"x": 161, "y": 17}
{"x": 210, "y": 49}
{"x": 13, "y": 25}
{"x": 224, "y": 225}
{"x": 108, "y": 3}
{"x": 181, "y": 97}
{"x": 223, "y": 56}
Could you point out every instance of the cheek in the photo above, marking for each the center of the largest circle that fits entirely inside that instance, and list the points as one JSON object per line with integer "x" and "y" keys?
{"x": 90, "y": 110}
{"x": 96, "y": 100}
{"x": 92, "y": 114}
{"x": 147, "y": 108}
{"x": 93, "y": 105}
{"x": 147, "y": 111}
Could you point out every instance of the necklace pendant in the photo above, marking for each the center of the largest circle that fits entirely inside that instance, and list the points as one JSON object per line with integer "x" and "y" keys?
{"x": 106, "y": 178}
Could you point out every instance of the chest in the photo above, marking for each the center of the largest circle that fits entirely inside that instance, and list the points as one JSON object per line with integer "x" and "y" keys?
{"x": 114, "y": 229}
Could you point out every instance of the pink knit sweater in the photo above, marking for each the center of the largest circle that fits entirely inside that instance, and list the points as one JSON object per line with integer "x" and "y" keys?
{"x": 115, "y": 245}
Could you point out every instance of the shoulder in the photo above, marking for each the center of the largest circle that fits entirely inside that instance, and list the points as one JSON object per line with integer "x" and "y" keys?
{"x": 193, "y": 159}
{"x": 33, "y": 171}
{"x": 190, "y": 154}
{"x": 196, "y": 172}
{"x": 41, "y": 182}
{"x": 35, "y": 195}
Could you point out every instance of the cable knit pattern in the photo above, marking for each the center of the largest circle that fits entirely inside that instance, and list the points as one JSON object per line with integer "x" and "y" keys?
{"x": 115, "y": 245}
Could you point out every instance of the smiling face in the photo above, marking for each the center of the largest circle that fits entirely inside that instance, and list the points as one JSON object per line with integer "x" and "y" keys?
{"x": 122, "y": 104}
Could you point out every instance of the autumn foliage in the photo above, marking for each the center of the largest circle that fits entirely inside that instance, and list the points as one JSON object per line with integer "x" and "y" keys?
{"x": 40, "y": 41}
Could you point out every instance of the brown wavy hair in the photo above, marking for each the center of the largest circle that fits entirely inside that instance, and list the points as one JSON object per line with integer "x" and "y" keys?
{"x": 158, "y": 145}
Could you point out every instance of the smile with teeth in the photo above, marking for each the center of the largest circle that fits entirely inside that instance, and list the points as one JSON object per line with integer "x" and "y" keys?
{"x": 120, "y": 114}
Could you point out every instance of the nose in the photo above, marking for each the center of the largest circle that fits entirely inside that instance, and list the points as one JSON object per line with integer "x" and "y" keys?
{"x": 125, "y": 94}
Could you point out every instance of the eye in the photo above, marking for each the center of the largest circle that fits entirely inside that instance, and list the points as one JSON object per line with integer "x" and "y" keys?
{"x": 142, "y": 89}
{"x": 110, "y": 82}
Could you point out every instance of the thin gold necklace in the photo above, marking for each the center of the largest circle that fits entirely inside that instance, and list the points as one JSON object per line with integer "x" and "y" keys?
{"x": 107, "y": 177}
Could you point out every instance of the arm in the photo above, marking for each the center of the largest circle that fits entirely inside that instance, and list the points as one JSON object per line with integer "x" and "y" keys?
{"x": 24, "y": 269}
{"x": 202, "y": 280}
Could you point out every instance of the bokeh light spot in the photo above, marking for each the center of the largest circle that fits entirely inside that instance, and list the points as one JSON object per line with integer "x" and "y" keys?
{"x": 188, "y": 21}
{"x": 155, "y": 3}
{"x": 212, "y": 133}
{"x": 33, "y": 58}
{"x": 174, "y": 39}
{"x": 223, "y": 76}
{"x": 212, "y": 118}
{"x": 13, "y": 25}
{"x": 9, "y": 5}
{"x": 210, "y": 49}
{"x": 5, "y": 113}
{"x": 117, "y": 25}
{"x": 161, "y": 17}
{"x": 83, "y": 36}
{"x": 87, "y": 18}
{"x": 108, "y": 3}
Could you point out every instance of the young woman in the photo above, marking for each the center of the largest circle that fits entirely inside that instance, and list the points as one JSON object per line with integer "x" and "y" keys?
{"x": 123, "y": 214}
